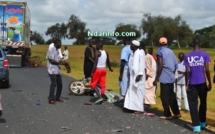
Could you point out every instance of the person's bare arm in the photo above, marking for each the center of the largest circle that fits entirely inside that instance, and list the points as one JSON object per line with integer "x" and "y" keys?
{"x": 108, "y": 62}
{"x": 187, "y": 75}
{"x": 122, "y": 66}
{"x": 160, "y": 68}
{"x": 96, "y": 61}
{"x": 207, "y": 72}
{"x": 57, "y": 63}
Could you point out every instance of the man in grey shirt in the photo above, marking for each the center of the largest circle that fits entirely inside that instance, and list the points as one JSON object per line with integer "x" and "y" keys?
{"x": 54, "y": 71}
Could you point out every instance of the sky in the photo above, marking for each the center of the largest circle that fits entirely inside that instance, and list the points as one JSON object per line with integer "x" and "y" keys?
{"x": 104, "y": 15}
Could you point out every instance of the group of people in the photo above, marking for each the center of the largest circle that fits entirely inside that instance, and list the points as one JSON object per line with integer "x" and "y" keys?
{"x": 139, "y": 75}
{"x": 140, "y": 71}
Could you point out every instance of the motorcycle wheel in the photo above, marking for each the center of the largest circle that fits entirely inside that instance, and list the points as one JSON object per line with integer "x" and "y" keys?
{"x": 77, "y": 88}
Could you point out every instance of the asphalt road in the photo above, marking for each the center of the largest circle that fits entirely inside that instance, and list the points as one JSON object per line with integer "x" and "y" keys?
{"x": 26, "y": 111}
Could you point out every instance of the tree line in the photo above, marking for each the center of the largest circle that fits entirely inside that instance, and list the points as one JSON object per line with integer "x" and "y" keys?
{"x": 151, "y": 29}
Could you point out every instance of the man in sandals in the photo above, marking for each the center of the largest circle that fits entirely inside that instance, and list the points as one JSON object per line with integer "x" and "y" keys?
{"x": 99, "y": 71}
{"x": 167, "y": 65}
{"x": 135, "y": 94}
{"x": 54, "y": 71}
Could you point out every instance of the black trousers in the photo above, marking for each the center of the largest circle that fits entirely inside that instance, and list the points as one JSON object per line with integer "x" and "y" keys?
{"x": 56, "y": 80}
{"x": 193, "y": 92}
{"x": 168, "y": 98}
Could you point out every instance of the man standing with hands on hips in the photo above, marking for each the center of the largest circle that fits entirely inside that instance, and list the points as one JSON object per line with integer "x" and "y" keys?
{"x": 197, "y": 66}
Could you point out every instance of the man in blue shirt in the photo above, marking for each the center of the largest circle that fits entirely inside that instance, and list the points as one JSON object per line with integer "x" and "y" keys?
{"x": 123, "y": 77}
{"x": 167, "y": 65}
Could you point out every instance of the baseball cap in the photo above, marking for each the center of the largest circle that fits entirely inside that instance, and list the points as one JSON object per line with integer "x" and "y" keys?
{"x": 163, "y": 41}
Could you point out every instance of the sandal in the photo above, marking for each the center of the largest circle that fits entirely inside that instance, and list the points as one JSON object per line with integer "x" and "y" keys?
{"x": 165, "y": 118}
{"x": 177, "y": 116}
{"x": 98, "y": 101}
{"x": 52, "y": 102}
{"x": 138, "y": 112}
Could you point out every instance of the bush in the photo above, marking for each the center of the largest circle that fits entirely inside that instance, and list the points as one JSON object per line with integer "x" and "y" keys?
{"x": 35, "y": 61}
{"x": 114, "y": 63}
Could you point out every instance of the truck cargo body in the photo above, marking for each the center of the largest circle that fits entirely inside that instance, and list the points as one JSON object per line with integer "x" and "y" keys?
{"x": 15, "y": 31}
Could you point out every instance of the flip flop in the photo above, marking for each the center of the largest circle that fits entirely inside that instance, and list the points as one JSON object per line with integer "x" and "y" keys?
{"x": 165, "y": 118}
{"x": 98, "y": 101}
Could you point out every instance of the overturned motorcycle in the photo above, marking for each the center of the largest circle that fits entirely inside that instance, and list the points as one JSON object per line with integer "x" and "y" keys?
{"x": 82, "y": 87}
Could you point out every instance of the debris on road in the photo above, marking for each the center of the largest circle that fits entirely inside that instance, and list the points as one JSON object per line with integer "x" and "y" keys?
{"x": 38, "y": 103}
{"x": 184, "y": 131}
{"x": 87, "y": 103}
{"x": 17, "y": 90}
{"x": 149, "y": 114}
{"x": 65, "y": 129}
{"x": 42, "y": 119}
{"x": 116, "y": 130}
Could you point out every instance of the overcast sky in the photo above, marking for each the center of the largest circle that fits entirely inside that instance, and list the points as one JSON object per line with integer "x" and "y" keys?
{"x": 104, "y": 15}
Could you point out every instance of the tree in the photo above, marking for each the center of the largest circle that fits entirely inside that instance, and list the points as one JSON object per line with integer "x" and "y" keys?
{"x": 130, "y": 29}
{"x": 77, "y": 29}
{"x": 57, "y": 30}
{"x": 206, "y": 36}
{"x": 37, "y": 37}
{"x": 175, "y": 29}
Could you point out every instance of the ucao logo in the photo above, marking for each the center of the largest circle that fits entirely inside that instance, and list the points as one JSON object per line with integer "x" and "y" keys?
{"x": 196, "y": 61}
{"x": 14, "y": 10}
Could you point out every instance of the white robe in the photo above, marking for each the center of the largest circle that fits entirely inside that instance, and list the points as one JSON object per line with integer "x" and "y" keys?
{"x": 150, "y": 97}
{"x": 135, "y": 92}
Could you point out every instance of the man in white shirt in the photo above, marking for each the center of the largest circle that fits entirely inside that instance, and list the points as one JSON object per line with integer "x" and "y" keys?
{"x": 65, "y": 54}
{"x": 50, "y": 46}
{"x": 180, "y": 82}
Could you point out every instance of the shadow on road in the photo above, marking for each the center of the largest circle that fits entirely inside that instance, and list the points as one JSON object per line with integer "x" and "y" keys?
{"x": 2, "y": 120}
{"x": 186, "y": 125}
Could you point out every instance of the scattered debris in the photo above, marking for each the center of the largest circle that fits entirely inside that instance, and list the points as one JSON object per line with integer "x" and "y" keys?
{"x": 128, "y": 127}
{"x": 65, "y": 129}
{"x": 184, "y": 130}
{"x": 87, "y": 103}
{"x": 17, "y": 90}
{"x": 116, "y": 130}
{"x": 149, "y": 114}
{"x": 38, "y": 103}
{"x": 42, "y": 119}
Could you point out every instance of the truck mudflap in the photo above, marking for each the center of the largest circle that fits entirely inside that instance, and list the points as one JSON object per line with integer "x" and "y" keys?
{"x": 21, "y": 44}
{"x": 14, "y": 60}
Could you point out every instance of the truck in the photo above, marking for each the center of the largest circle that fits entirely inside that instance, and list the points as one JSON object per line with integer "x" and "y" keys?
{"x": 15, "y": 32}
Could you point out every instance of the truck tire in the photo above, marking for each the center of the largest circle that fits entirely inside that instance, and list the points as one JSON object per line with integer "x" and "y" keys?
{"x": 26, "y": 55}
{"x": 5, "y": 84}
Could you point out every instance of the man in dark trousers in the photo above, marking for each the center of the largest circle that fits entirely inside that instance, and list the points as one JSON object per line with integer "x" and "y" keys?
{"x": 197, "y": 67}
{"x": 89, "y": 59}
{"x": 167, "y": 65}
{"x": 54, "y": 71}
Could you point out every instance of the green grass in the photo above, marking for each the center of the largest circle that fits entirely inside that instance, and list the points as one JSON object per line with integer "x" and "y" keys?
{"x": 76, "y": 59}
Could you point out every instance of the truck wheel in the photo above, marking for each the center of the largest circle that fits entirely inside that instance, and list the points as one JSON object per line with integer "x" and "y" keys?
{"x": 5, "y": 84}
{"x": 77, "y": 88}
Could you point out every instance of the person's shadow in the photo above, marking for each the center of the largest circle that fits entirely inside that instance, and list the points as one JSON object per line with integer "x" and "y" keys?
{"x": 2, "y": 120}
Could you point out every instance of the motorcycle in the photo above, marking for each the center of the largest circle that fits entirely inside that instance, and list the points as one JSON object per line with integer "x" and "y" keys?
{"x": 80, "y": 87}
